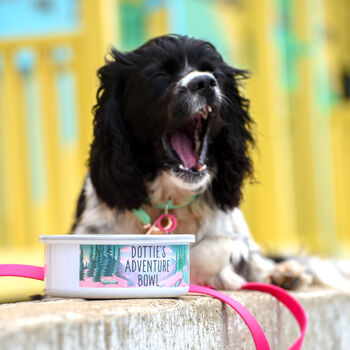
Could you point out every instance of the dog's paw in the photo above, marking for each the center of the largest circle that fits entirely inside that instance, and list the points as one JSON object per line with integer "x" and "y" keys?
{"x": 227, "y": 279}
{"x": 289, "y": 275}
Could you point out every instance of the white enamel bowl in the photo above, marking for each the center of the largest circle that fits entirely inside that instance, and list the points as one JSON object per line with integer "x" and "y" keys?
{"x": 117, "y": 266}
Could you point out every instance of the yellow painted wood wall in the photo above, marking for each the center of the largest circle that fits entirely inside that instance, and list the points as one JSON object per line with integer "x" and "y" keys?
{"x": 301, "y": 200}
{"x": 297, "y": 52}
{"x": 25, "y": 216}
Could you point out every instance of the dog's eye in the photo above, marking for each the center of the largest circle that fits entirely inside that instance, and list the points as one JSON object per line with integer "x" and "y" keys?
{"x": 219, "y": 75}
{"x": 170, "y": 66}
{"x": 206, "y": 67}
{"x": 161, "y": 75}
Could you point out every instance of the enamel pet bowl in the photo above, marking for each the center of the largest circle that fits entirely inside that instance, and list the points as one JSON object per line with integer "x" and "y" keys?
{"x": 117, "y": 266}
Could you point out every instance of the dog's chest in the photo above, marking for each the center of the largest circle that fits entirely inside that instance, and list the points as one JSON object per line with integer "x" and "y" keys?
{"x": 188, "y": 221}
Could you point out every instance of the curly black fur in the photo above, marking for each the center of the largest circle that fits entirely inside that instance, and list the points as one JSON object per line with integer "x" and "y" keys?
{"x": 232, "y": 144}
{"x": 137, "y": 105}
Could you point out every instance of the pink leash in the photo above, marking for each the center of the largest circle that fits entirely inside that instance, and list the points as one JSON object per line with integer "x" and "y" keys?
{"x": 261, "y": 343}
{"x": 258, "y": 334}
{"x": 17, "y": 270}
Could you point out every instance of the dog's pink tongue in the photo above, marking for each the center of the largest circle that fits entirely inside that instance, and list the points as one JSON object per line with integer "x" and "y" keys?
{"x": 182, "y": 144}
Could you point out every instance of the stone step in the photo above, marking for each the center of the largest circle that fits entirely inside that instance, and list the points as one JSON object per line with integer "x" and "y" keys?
{"x": 190, "y": 322}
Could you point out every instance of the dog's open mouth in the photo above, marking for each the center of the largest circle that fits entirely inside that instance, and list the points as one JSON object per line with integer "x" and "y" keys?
{"x": 188, "y": 144}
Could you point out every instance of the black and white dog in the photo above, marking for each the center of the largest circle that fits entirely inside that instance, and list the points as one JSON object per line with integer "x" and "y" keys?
{"x": 170, "y": 122}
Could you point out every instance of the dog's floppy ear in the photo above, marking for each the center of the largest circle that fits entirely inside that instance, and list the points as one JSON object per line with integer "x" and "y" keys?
{"x": 231, "y": 146}
{"x": 115, "y": 169}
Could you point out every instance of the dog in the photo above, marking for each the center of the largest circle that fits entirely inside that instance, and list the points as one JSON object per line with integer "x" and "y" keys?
{"x": 171, "y": 123}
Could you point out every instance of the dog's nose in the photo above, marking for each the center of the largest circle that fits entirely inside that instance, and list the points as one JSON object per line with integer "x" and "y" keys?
{"x": 203, "y": 84}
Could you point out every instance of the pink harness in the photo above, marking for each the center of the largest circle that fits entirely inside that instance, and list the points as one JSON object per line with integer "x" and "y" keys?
{"x": 261, "y": 343}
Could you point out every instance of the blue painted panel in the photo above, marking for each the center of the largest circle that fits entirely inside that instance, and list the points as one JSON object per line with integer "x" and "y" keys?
{"x": 203, "y": 22}
{"x": 21, "y": 18}
{"x": 36, "y": 141}
{"x": 133, "y": 24}
{"x": 177, "y": 16}
{"x": 154, "y": 4}
{"x": 67, "y": 108}
{"x": 25, "y": 61}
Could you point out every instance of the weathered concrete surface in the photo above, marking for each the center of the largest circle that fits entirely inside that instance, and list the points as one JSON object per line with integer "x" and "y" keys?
{"x": 191, "y": 322}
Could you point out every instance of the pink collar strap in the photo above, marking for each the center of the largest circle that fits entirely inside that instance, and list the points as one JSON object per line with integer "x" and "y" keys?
{"x": 261, "y": 343}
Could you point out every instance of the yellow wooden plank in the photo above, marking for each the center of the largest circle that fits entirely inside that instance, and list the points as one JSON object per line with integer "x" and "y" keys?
{"x": 3, "y": 221}
{"x": 86, "y": 85}
{"x": 39, "y": 210}
{"x": 16, "y": 167}
{"x": 99, "y": 29}
{"x": 305, "y": 191}
{"x": 270, "y": 205}
{"x": 232, "y": 22}
{"x": 70, "y": 184}
{"x": 337, "y": 17}
{"x": 23, "y": 218}
{"x": 317, "y": 83}
{"x": 156, "y": 22}
{"x": 341, "y": 161}
{"x": 52, "y": 206}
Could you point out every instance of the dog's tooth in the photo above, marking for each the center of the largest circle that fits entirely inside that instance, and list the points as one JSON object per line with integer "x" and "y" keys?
{"x": 198, "y": 145}
{"x": 183, "y": 167}
{"x": 202, "y": 168}
{"x": 209, "y": 109}
{"x": 196, "y": 140}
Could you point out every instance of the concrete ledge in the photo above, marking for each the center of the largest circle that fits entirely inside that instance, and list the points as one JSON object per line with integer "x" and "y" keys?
{"x": 190, "y": 322}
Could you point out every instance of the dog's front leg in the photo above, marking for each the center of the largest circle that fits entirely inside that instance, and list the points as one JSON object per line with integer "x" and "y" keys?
{"x": 212, "y": 263}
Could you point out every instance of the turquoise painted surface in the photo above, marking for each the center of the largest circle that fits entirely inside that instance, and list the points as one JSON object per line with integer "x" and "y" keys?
{"x": 67, "y": 108}
{"x": 36, "y": 142}
{"x": 289, "y": 46}
{"x": 196, "y": 18}
{"x": 133, "y": 23}
{"x": 203, "y": 22}
{"x": 25, "y": 61}
{"x": 177, "y": 16}
{"x": 32, "y": 17}
{"x": 154, "y": 4}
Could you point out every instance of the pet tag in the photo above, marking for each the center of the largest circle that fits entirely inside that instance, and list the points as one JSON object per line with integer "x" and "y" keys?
{"x": 166, "y": 223}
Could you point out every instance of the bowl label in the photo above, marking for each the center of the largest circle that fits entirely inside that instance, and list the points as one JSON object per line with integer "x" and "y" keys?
{"x": 123, "y": 266}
